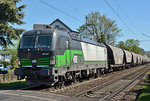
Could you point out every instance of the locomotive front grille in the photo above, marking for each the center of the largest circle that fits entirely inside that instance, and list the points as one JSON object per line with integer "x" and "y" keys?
{"x": 43, "y": 61}
{"x": 25, "y": 61}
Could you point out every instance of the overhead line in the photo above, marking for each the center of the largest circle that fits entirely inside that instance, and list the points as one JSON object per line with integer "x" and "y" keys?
{"x": 130, "y": 19}
{"x": 146, "y": 35}
{"x": 118, "y": 16}
{"x": 60, "y": 11}
{"x": 127, "y": 16}
{"x": 144, "y": 40}
{"x": 64, "y": 1}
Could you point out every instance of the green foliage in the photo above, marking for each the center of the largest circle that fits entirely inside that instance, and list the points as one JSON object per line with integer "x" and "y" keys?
{"x": 133, "y": 45}
{"x": 122, "y": 45}
{"x": 10, "y": 14}
{"x": 100, "y": 27}
{"x": 14, "y": 59}
{"x": 4, "y": 63}
{"x": 130, "y": 45}
{"x": 145, "y": 95}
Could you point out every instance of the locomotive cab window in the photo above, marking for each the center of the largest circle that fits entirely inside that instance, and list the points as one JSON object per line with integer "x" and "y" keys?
{"x": 43, "y": 41}
{"x": 38, "y": 41}
{"x": 27, "y": 42}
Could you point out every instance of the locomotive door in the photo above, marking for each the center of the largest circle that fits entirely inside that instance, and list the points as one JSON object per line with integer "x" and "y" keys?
{"x": 68, "y": 53}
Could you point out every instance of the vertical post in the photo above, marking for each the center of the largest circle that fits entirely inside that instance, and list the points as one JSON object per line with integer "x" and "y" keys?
{"x": 86, "y": 26}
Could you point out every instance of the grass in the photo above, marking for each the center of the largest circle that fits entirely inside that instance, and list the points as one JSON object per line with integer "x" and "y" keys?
{"x": 145, "y": 94}
{"x": 13, "y": 85}
{"x": 144, "y": 97}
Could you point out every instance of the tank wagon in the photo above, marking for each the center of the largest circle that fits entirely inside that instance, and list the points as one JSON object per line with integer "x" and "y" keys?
{"x": 51, "y": 56}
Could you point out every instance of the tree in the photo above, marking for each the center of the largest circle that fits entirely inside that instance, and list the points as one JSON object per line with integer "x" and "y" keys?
{"x": 133, "y": 45}
{"x": 10, "y": 14}
{"x": 4, "y": 63}
{"x": 13, "y": 56}
{"x": 122, "y": 45}
{"x": 130, "y": 45}
{"x": 100, "y": 27}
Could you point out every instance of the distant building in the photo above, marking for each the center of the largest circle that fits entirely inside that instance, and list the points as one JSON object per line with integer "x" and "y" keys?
{"x": 58, "y": 24}
{"x": 5, "y": 56}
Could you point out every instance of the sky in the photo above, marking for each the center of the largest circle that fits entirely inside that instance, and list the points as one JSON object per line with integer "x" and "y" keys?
{"x": 134, "y": 15}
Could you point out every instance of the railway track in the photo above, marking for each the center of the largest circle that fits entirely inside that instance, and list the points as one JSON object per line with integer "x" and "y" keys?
{"x": 75, "y": 88}
{"x": 52, "y": 89}
{"x": 107, "y": 91}
{"x": 112, "y": 94}
{"x": 100, "y": 91}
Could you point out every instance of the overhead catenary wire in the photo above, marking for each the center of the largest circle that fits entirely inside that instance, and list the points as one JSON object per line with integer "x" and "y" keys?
{"x": 127, "y": 16}
{"x": 83, "y": 13}
{"x": 144, "y": 40}
{"x": 130, "y": 19}
{"x": 119, "y": 17}
{"x": 146, "y": 35}
{"x": 60, "y": 10}
{"x": 64, "y": 1}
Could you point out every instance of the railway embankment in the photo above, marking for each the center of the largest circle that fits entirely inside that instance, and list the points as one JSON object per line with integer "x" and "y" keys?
{"x": 143, "y": 94}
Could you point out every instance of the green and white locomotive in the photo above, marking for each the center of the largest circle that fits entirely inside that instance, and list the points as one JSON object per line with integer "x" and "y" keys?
{"x": 51, "y": 56}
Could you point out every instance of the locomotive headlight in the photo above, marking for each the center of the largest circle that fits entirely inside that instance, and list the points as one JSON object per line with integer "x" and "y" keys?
{"x": 19, "y": 63}
{"x": 52, "y": 60}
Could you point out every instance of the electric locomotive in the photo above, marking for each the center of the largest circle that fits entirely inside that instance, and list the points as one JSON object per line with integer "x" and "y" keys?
{"x": 49, "y": 56}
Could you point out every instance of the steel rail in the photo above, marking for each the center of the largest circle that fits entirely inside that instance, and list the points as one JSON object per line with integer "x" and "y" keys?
{"x": 123, "y": 86}
{"x": 104, "y": 85}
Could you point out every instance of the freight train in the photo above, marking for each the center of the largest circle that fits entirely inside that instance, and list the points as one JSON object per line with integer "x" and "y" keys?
{"x": 49, "y": 56}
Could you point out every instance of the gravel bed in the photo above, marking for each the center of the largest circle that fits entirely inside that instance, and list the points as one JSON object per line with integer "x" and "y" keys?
{"x": 98, "y": 81}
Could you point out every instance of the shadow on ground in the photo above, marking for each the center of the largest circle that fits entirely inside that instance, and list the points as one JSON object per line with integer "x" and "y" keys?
{"x": 13, "y": 85}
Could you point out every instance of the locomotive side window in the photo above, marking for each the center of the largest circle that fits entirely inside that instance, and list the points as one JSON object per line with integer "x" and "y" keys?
{"x": 76, "y": 45}
{"x": 65, "y": 43}
{"x": 62, "y": 42}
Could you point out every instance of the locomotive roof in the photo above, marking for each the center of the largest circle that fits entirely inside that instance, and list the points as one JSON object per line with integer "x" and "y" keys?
{"x": 35, "y": 31}
{"x": 62, "y": 33}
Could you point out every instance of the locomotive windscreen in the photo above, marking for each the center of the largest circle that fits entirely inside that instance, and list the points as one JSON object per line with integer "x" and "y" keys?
{"x": 38, "y": 41}
{"x": 43, "y": 41}
{"x": 27, "y": 42}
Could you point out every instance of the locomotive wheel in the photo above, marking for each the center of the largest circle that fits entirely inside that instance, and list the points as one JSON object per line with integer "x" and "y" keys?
{"x": 75, "y": 80}
{"x": 58, "y": 85}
